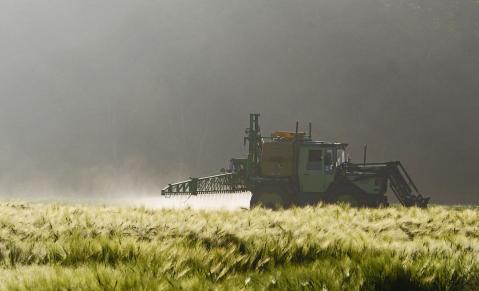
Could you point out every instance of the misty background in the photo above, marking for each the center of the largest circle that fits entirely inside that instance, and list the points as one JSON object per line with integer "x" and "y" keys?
{"x": 108, "y": 97}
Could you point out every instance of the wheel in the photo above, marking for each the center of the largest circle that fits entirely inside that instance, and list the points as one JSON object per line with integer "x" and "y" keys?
{"x": 345, "y": 192}
{"x": 269, "y": 197}
{"x": 354, "y": 196}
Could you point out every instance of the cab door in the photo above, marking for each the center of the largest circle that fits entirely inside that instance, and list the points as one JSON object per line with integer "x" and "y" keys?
{"x": 315, "y": 168}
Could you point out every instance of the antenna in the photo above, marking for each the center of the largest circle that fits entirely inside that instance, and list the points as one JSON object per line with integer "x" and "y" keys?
{"x": 310, "y": 126}
{"x": 296, "y": 132}
{"x": 365, "y": 153}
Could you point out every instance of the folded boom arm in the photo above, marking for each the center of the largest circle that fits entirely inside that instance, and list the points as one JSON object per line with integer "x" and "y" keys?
{"x": 223, "y": 183}
{"x": 400, "y": 182}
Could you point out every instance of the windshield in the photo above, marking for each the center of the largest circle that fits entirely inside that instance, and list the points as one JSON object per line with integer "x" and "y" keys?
{"x": 341, "y": 157}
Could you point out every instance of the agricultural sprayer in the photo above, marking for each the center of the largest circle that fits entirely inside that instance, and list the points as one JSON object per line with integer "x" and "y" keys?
{"x": 290, "y": 168}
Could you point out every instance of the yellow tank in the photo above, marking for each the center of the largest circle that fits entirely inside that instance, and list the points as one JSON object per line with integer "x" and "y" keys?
{"x": 277, "y": 159}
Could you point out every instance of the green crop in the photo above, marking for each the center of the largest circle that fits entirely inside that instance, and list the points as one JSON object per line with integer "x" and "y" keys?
{"x": 71, "y": 247}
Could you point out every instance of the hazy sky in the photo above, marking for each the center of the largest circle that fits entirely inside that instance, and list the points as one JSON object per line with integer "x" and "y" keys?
{"x": 110, "y": 94}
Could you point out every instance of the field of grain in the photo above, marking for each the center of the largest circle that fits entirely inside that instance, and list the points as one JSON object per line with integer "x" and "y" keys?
{"x": 70, "y": 247}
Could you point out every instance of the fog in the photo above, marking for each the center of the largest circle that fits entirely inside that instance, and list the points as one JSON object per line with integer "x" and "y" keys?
{"x": 109, "y": 98}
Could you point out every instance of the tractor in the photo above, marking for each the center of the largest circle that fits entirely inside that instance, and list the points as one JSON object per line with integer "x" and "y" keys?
{"x": 289, "y": 168}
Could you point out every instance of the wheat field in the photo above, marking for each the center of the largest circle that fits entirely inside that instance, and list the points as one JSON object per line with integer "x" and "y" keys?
{"x": 86, "y": 247}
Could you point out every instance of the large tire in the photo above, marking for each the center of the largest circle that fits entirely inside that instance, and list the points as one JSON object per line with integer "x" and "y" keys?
{"x": 270, "y": 197}
{"x": 347, "y": 193}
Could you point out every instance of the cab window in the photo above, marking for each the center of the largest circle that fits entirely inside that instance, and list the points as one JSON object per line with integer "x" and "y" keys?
{"x": 315, "y": 159}
{"x": 340, "y": 157}
{"x": 328, "y": 161}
